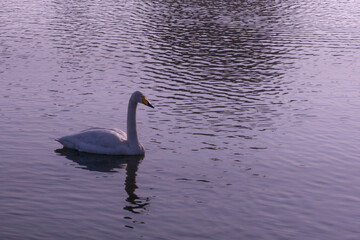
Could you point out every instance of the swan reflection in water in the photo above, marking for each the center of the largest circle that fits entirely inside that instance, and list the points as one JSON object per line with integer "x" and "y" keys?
{"x": 109, "y": 163}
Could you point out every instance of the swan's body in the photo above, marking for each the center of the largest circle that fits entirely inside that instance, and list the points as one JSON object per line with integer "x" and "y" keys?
{"x": 110, "y": 141}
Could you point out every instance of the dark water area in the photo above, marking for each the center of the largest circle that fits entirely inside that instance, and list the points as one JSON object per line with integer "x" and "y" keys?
{"x": 254, "y": 135}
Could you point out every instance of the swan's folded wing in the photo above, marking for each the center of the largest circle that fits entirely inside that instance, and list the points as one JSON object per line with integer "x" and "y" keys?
{"x": 96, "y": 140}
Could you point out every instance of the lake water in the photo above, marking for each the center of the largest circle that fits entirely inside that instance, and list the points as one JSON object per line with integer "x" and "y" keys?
{"x": 254, "y": 135}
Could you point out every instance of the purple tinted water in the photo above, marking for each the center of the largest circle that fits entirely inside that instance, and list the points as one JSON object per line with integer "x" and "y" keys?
{"x": 254, "y": 134}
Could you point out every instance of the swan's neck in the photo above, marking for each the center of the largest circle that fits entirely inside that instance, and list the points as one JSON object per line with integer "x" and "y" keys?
{"x": 131, "y": 123}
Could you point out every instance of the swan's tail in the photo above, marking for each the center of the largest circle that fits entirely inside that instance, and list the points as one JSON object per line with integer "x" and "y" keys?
{"x": 65, "y": 142}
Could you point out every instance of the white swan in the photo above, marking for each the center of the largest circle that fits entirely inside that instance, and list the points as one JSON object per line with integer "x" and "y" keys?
{"x": 110, "y": 141}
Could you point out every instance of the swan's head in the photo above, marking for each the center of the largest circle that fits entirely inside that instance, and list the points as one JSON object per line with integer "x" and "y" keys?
{"x": 140, "y": 98}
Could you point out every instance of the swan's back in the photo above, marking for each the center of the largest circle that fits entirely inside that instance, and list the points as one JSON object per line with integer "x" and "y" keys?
{"x": 97, "y": 140}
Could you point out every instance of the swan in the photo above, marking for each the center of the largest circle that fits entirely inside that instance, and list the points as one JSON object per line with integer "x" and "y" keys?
{"x": 110, "y": 141}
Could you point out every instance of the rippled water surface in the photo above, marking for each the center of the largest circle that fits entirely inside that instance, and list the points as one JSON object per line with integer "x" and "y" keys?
{"x": 255, "y": 134}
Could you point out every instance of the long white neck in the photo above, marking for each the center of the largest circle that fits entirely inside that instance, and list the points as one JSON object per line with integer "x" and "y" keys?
{"x": 131, "y": 123}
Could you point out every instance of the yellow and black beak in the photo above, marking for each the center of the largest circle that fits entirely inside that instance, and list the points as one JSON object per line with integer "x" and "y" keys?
{"x": 146, "y": 102}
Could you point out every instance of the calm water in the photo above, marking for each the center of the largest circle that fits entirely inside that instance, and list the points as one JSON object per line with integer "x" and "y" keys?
{"x": 255, "y": 134}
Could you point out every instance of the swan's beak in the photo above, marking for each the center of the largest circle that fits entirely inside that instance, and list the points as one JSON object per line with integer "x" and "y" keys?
{"x": 146, "y": 102}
